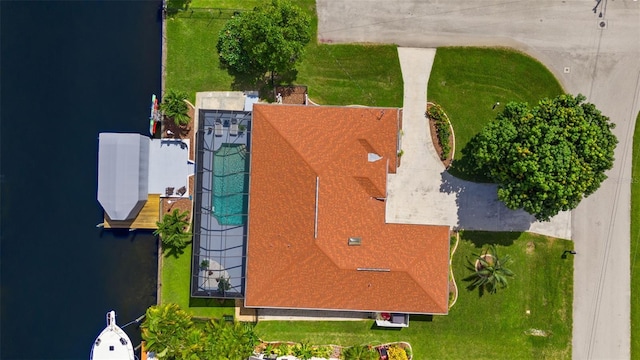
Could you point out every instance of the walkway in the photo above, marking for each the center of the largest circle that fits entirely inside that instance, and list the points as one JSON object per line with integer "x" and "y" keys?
{"x": 422, "y": 192}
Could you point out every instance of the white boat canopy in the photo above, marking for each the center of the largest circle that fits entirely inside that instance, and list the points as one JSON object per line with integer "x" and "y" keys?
{"x": 123, "y": 174}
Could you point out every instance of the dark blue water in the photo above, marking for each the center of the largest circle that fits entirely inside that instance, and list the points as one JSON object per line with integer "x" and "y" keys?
{"x": 69, "y": 70}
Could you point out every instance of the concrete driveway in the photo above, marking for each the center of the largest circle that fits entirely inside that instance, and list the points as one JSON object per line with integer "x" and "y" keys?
{"x": 593, "y": 55}
{"x": 422, "y": 192}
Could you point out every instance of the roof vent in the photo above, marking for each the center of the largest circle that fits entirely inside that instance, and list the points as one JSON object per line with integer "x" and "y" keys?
{"x": 374, "y": 269}
{"x": 353, "y": 241}
{"x": 373, "y": 157}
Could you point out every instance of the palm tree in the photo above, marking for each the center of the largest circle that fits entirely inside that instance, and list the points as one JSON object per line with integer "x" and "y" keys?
{"x": 223, "y": 284}
{"x": 172, "y": 230}
{"x": 174, "y": 106}
{"x": 166, "y": 329}
{"x": 236, "y": 340}
{"x": 489, "y": 271}
{"x": 359, "y": 352}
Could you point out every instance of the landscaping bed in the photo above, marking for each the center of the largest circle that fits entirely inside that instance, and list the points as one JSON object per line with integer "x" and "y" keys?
{"x": 441, "y": 132}
{"x": 303, "y": 351}
{"x": 292, "y": 94}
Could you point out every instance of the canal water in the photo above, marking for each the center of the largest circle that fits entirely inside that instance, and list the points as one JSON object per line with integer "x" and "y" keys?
{"x": 69, "y": 70}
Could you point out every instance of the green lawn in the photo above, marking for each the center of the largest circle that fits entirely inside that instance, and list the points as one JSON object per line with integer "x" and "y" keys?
{"x": 335, "y": 74}
{"x": 635, "y": 243}
{"x": 176, "y": 272}
{"x": 352, "y": 74}
{"x": 468, "y": 81}
{"x": 487, "y": 327}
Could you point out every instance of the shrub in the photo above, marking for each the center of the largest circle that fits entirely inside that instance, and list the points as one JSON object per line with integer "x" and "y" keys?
{"x": 359, "y": 352}
{"x": 408, "y": 351}
{"x": 172, "y": 230}
{"x": 204, "y": 264}
{"x": 443, "y": 129}
{"x": 174, "y": 106}
{"x": 303, "y": 351}
{"x": 397, "y": 353}
{"x": 286, "y": 349}
{"x": 271, "y": 349}
{"x": 322, "y": 351}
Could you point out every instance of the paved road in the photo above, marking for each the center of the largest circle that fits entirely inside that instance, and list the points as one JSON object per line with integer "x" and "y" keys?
{"x": 601, "y": 62}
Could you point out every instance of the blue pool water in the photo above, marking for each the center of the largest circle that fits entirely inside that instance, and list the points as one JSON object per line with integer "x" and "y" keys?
{"x": 230, "y": 184}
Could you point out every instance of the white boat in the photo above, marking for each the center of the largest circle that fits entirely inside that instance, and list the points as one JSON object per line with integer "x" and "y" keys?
{"x": 112, "y": 343}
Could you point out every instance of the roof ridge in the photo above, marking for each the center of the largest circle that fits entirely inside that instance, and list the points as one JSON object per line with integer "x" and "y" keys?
{"x": 425, "y": 291}
{"x": 277, "y": 130}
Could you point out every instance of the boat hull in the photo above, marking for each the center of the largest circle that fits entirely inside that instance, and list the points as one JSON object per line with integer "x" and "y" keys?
{"x": 112, "y": 343}
{"x": 154, "y": 117}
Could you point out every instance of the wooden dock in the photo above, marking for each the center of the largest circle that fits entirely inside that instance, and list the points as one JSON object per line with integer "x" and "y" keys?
{"x": 146, "y": 219}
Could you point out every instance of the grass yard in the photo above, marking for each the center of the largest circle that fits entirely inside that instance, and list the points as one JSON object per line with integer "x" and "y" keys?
{"x": 635, "y": 243}
{"x": 468, "y": 81}
{"x": 487, "y": 327}
{"x": 176, "y": 272}
{"x": 335, "y": 74}
{"x": 352, "y": 75}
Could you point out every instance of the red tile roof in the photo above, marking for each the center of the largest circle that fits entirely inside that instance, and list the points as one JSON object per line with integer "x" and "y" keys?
{"x": 287, "y": 266}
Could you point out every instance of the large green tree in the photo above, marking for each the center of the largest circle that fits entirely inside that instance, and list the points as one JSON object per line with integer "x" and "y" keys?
{"x": 547, "y": 158}
{"x": 270, "y": 38}
{"x": 172, "y": 334}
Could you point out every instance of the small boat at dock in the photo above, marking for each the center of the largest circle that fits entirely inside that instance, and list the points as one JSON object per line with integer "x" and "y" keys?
{"x": 112, "y": 343}
{"x": 154, "y": 117}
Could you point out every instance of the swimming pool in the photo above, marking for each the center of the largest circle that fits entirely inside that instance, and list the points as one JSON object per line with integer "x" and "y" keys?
{"x": 231, "y": 184}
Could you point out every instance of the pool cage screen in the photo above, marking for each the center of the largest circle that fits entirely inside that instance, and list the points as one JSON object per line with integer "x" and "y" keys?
{"x": 221, "y": 204}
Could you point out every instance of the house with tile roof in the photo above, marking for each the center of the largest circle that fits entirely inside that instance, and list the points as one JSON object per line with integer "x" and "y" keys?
{"x": 316, "y": 232}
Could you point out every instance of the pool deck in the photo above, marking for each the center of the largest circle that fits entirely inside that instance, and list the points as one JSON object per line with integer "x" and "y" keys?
{"x": 222, "y": 245}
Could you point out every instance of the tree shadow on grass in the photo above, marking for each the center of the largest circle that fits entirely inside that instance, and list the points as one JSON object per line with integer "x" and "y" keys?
{"x": 481, "y": 289}
{"x": 382, "y": 328}
{"x": 263, "y": 83}
{"x": 173, "y": 251}
{"x": 421, "y": 317}
{"x": 482, "y": 238}
{"x": 210, "y": 302}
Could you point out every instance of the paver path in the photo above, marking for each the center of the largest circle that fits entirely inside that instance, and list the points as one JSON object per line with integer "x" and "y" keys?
{"x": 599, "y": 61}
{"x": 422, "y": 192}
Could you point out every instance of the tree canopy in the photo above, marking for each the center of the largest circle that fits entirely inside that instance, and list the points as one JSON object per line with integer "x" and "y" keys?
{"x": 545, "y": 159}
{"x": 270, "y": 38}
{"x": 173, "y": 334}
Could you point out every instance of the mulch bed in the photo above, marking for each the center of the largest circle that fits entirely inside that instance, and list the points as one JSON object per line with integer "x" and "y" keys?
{"x": 182, "y": 204}
{"x": 172, "y": 131}
{"x": 436, "y": 142}
{"x": 291, "y": 94}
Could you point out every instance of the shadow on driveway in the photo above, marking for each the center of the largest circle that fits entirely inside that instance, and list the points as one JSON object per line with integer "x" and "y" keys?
{"x": 479, "y": 207}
